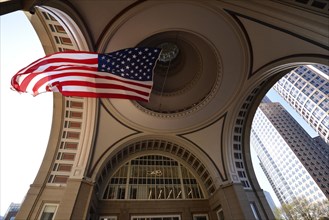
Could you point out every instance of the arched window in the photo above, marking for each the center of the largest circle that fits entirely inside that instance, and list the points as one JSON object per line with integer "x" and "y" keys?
{"x": 153, "y": 177}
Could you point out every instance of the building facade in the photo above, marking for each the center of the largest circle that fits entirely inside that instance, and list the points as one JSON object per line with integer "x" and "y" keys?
{"x": 186, "y": 153}
{"x": 292, "y": 161}
{"x": 306, "y": 89}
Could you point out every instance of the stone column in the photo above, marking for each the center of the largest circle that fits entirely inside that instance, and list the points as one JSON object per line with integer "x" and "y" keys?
{"x": 233, "y": 201}
{"x": 76, "y": 200}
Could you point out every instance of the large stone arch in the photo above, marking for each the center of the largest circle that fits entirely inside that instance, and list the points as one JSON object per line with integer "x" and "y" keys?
{"x": 217, "y": 125}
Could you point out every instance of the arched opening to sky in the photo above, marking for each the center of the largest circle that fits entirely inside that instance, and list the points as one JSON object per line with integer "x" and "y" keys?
{"x": 25, "y": 120}
{"x": 282, "y": 153}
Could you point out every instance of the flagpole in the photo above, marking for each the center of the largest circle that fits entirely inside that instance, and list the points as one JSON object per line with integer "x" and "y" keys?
{"x": 164, "y": 82}
{"x": 165, "y": 79}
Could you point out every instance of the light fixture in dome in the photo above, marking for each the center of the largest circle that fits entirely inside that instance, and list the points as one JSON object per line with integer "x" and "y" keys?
{"x": 169, "y": 51}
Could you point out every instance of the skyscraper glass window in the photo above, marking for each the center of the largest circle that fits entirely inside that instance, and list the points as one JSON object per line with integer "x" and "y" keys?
{"x": 293, "y": 161}
{"x": 306, "y": 89}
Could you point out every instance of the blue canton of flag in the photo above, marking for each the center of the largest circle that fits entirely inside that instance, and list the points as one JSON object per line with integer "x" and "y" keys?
{"x": 131, "y": 63}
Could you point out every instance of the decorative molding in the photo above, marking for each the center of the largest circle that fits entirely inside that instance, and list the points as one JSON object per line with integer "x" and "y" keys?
{"x": 71, "y": 154}
{"x": 279, "y": 29}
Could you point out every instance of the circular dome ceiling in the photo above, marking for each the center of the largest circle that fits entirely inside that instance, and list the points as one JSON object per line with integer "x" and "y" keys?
{"x": 186, "y": 72}
{"x": 198, "y": 76}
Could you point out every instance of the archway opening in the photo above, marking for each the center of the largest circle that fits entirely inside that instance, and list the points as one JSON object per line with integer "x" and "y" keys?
{"x": 152, "y": 171}
{"x": 153, "y": 177}
{"x": 147, "y": 156}
{"x": 289, "y": 134}
{"x": 25, "y": 120}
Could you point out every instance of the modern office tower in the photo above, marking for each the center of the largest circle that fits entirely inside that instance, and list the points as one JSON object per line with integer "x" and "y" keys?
{"x": 185, "y": 154}
{"x": 322, "y": 145}
{"x": 293, "y": 163}
{"x": 306, "y": 89}
{"x": 12, "y": 211}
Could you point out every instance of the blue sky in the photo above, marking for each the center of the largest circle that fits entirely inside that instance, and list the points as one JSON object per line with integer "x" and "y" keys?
{"x": 26, "y": 120}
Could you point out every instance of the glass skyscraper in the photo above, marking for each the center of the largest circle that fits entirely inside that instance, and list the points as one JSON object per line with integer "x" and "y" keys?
{"x": 306, "y": 89}
{"x": 12, "y": 211}
{"x": 295, "y": 164}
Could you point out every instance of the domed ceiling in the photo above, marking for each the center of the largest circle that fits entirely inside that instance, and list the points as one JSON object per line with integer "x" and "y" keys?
{"x": 195, "y": 79}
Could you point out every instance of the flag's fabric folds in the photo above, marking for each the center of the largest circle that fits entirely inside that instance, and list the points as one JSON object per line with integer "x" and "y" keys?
{"x": 125, "y": 74}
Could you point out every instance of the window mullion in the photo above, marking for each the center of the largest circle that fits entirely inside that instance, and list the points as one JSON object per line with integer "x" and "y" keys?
{"x": 127, "y": 182}
{"x": 181, "y": 181}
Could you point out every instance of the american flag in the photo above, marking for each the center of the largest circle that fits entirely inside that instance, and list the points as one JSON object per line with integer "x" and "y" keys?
{"x": 125, "y": 74}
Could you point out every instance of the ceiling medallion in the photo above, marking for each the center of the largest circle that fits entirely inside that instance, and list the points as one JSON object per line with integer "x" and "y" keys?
{"x": 187, "y": 75}
{"x": 169, "y": 52}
